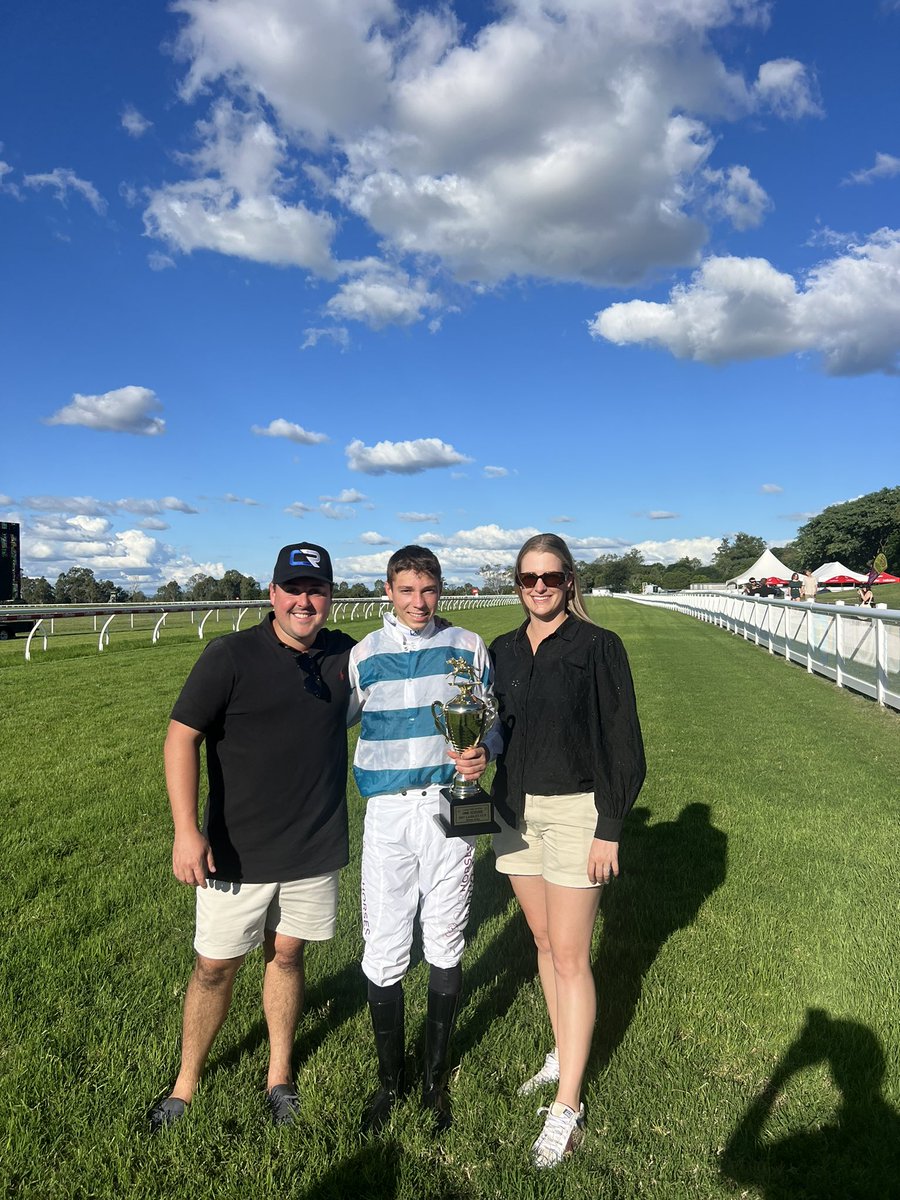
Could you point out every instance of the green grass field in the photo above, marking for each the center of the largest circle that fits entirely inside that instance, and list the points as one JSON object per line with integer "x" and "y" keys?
{"x": 746, "y": 960}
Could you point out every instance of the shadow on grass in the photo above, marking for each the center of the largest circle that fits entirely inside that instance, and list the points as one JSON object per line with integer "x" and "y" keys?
{"x": 373, "y": 1171}
{"x": 855, "y": 1156}
{"x": 669, "y": 871}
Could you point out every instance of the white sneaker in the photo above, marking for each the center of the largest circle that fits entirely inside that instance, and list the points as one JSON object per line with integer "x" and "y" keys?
{"x": 549, "y": 1073}
{"x": 563, "y": 1132}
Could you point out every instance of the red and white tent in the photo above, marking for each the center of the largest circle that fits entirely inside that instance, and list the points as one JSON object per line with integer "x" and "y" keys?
{"x": 884, "y": 577}
{"x": 835, "y": 573}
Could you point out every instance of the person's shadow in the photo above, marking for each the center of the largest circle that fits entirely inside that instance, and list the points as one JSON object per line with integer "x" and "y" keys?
{"x": 669, "y": 870}
{"x": 855, "y": 1156}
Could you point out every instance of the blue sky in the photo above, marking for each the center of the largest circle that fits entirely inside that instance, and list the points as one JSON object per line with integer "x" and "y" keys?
{"x": 365, "y": 273}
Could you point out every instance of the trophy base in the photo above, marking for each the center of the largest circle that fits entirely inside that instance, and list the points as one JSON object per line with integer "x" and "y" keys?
{"x": 465, "y": 817}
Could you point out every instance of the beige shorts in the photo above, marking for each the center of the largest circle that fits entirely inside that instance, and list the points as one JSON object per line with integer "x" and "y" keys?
{"x": 553, "y": 840}
{"x": 232, "y": 918}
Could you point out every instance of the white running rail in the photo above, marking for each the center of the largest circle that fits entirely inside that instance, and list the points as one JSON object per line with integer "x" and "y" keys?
{"x": 857, "y": 648}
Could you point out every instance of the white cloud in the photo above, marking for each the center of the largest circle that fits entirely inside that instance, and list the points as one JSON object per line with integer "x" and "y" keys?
{"x": 771, "y": 489}
{"x": 382, "y": 297}
{"x": 11, "y": 189}
{"x": 846, "y": 308}
{"x": 495, "y": 472}
{"x": 464, "y": 552}
{"x": 886, "y": 167}
{"x": 231, "y": 498}
{"x": 125, "y": 410}
{"x": 133, "y": 122}
{"x": 735, "y": 195}
{"x": 402, "y": 458}
{"x": 279, "y": 428}
{"x": 125, "y": 556}
{"x": 159, "y": 262}
{"x": 56, "y": 528}
{"x": 371, "y": 538}
{"x": 165, "y": 504}
{"x": 154, "y": 523}
{"x": 553, "y": 141}
{"x": 6, "y": 501}
{"x": 63, "y": 180}
{"x": 346, "y": 496}
{"x": 659, "y": 514}
{"x": 337, "y": 512}
{"x": 339, "y": 335}
{"x": 562, "y": 520}
{"x": 72, "y": 504}
{"x": 419, "y": 518}
{"x": 785, "y": 87}
{"x": 297, "y": 509}
{"x": 234, "y": 205}
{"x": 670, "y": 551}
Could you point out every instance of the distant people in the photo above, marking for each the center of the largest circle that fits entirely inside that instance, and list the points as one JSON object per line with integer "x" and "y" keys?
{"x": 810, "y": 586}
{"x": 866, "y": 596}
{"x": 750, "y": 587}
{"x": 795, "y": 586}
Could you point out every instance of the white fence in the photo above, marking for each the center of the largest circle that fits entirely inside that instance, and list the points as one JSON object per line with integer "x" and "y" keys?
{"x": 857, "y": 648}
{"x": 42, "y": 620}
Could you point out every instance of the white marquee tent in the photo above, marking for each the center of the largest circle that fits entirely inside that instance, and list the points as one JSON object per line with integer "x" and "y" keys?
{"x": 836, "y": 570}
{"x": 767, "y": 566}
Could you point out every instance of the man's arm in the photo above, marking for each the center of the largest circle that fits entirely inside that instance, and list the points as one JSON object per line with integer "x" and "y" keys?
{"x": 192, "y": 855}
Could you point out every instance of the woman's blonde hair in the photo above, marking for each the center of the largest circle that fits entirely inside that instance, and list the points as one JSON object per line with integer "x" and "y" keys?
{"x": 549, "y": 543}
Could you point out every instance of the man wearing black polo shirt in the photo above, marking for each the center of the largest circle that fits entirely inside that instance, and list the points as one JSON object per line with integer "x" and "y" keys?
{"x": 271, "y": 704}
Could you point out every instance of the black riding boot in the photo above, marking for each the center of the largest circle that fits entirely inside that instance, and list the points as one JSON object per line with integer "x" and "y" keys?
{"x": 387, "y": 1025}
{"x": 438, "y": 1028}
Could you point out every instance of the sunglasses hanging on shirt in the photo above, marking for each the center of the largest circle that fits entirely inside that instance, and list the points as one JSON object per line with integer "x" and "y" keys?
{"x": 313, "y": 682}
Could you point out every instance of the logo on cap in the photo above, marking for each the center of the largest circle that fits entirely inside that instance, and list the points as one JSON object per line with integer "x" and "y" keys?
{"x": 305, "y": 558}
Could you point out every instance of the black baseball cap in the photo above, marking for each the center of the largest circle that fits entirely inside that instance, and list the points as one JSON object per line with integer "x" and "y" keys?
{"x": 302, "y": 559}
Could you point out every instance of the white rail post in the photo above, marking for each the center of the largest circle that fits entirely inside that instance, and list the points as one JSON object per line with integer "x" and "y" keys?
{"x": 31, "y": 635}
{"x": 839, "y": 644}
{"x": 205, "y": 619}
{"x": 103, "y": 633}
{"x": 881, "y": 663}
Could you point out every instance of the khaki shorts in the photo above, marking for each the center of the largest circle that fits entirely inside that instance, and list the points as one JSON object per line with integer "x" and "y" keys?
{"x": 232, "y": 918}
{"x": 553, "y": 840}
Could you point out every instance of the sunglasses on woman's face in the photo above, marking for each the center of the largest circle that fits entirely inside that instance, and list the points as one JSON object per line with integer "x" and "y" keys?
{"x": 552, "y": 579}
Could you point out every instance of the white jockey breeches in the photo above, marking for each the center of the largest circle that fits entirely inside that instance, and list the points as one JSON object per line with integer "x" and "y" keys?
{"x": 408, "y": 864}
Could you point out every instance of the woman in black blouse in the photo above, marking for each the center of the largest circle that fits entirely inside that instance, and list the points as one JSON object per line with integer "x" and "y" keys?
{"x": 571, "y": 768}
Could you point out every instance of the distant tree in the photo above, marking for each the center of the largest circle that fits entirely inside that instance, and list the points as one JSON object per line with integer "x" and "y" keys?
{"x": 853, "y": 532}
{"x": 138, "y": 597}
{"x": 203, "y": 587}
{"x": 497, "y": 578}
{"x": 731, "y": 558}
{"x": 623, "y": 572}
{"x": 235, "y": 586}
{"x": 169, "y": 593}
{"x": 36, "y": 591}
{"x": 78, "y": 586}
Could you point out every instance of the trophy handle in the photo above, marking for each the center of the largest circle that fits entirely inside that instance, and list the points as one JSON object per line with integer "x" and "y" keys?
{"x": 490, "y": 709}
{"x": 437, "y": 712}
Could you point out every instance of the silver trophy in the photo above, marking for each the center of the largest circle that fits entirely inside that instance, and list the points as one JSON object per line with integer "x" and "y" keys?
{"x": 465, "y": 807}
